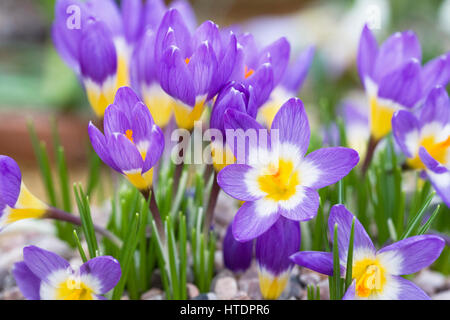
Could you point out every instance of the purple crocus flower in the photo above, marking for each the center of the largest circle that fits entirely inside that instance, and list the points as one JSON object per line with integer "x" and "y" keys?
{"x": 424, "y": 137}
{"x": 237, "y": 256}
{"x": 275, "y": 178}
{"x": 132, "y": 143}
{"x": 16, "y": 201}
{"x": 376, "y": 274}
{"x": 44, "y": 275}
{"x": 290, "y": 85}
{"x": 192, "y": 67}
{"x": 394, "y": 78}
{"x": 273, "y": 249}
{"x": 356, "y": 126}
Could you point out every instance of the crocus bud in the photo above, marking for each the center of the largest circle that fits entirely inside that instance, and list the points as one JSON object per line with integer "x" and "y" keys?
{"x": 237, "y": 256}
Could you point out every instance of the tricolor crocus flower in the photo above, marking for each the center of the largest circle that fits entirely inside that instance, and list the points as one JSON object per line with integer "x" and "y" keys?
{"x": 237, "y": 256}
{"x": 273, "y": 249}
{"x": 16, "y": 201}
{"x": 44, "y": 275}
{"x": 275, "y": 178}
{"x": 394, "y": 78}
{"x": 289, "y": 86}
{"x": 233, "y": 96}
{"x": 96, "y": 39}
{"x": 132, "y": 143}
{"x": 424, "y": 138}
{"x": 192, "y": 67}
{"x": 376, "y": 273}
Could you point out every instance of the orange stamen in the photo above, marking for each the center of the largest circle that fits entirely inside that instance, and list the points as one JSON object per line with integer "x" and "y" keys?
{"x": 129, "y": 134}
{"x": 248, "y": 72}
{"x": 187, "y": 60}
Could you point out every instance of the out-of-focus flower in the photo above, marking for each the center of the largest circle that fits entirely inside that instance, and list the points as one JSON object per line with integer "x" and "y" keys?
{"x": 275, "y": 178}
{"x": 192, "y": 67}
{"x": 132, "y": 143}
{"x": 376, "y": 274}
{"x": 425, "y": 139}
{"x": 273, "y": 249}
{"x": 43, "y": 275}
{"x": 237, "y": 256}
{"x": 394, "y": 78}
{"x": 356, "y": 127}
{"x": 16, "y": 201}
{"x": 233, "y": 96}
{"x": 289, "y": 86}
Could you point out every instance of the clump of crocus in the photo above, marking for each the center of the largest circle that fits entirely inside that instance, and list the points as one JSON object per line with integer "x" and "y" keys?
{"x": 16, "y": 201}
{"x": 424, "y": 137}
{"x": 376, "y": 274}
{"x": 132, "y": 143}
{"x": 273, "y": 249}
{"x": 273, "y": 176}
{"x": 192, "y": 67}
{"x": 44, "y": 275}
{"x": 393, "y": 77}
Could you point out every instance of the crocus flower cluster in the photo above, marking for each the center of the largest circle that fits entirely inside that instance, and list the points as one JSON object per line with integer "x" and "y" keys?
{"x": 376, "y": 274}
{"x": 132, "y": 143}
{"x": 44, "y": 275}
{"x": 394, "y": 78}
{"x": 16, "y": 201}
{"x": 424, "y": 137}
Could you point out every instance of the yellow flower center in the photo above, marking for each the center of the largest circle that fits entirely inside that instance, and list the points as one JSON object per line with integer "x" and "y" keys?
{"x": 279, "y": 181}
{"x": 71, "y": 289}
{"x": 370, "y": 277}
{"x": 438, "y": 150}
{"x": 248, "y": 72}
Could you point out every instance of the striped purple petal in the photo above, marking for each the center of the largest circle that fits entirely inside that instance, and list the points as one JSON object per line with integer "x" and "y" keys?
{"x": 436, "y": 107}
{"x": 321, "y": 262}
{"x": 10, "y": 181}
{"x": 105, "y": 269}
{"x": 116, "y": 120}
{"x": 305, "y": 207}
{"x": 277, "y": 54}
{"x": 203, "y": 67}
{"x": 262, "y": 83}
{"x": 367, "y": 54}
{"x": 125, "y": 99}
{"x": 42, "y": 262}
{"x": 232, "y": 180}
{"x": 100, "y": 146}
{"x": 124, "y": 153}
{"x": 436, "y": 72}
{"x": 405, "y": 127}
{"x": 408, "y": 290}
{"x": 28, "y": 283}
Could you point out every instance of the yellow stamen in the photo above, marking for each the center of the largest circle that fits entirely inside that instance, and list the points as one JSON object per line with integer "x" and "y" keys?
{"x": 248, "y": 72}
{"x": 370, "y": 277}
{"x": 129, "y": 134}
{"x": 438, "y": 150}
{"x": 279, "y": 180}
{"x": 72, "y": 289}
{"x": 187, "y": 60}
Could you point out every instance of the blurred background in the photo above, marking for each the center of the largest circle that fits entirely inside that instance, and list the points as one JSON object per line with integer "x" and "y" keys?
{"x": 36, "y": 85}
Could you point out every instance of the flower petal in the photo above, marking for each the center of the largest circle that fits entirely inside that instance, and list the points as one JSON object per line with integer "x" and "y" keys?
{"x": 367, "y": 54}
{"x": 261, "y": 83}
{"x": 116, "y": 120}
{"x": 351, "y": 292}
{"x": 295, "y": 75}
{"x": 321, "y": 262}
{"x": 100, "y": 145}
{"x": 232, "y": 180}
{"x": 329, "y": 166}
{"x": 237, "y": 256}
{"x": 412, "y": 254}
{"x": 253, "y": 219}
{"x": 277, "y": 54}
{"x": 292, "y": 124}
{"x": 107, "y": 12}
{"x": 125, "y": 100}
{"x": 343, "y": 218}
{"x": 408, "y": 290}
{"x": 124, "y": 153}
{"x": 436, "y": 72}
{"x": 203, "y": 67}
{"x": 42, "y": 262}
{"x": 436, "y": 107}
{"x": 10, "y": 181}
{"x": 406, "y": 130}
{"x": 105, "y": 269}
{"x": 27, "y": 281}
{"x": 133, "y": 19}
{"x": 302, "y": 206}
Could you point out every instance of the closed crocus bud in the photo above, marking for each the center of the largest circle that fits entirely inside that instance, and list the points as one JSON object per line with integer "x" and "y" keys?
{"x": 273, "y": 249}
{"x": 237, "y": 256}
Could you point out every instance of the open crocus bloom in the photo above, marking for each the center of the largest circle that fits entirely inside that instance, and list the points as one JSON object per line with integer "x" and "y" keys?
{"x": 132, "y": 143}
{"x": 273, "y": 249}
{"x": 290, "y": 85}
{"x": 192, "y": 67}
{"x": 16, "y": 202}
{"x": 274, "y": 177}
{"x": 376, "y": 274}
{"x": 43, "y": 275}
{"x": 425, "y": 139}
{"x": 393, "y": 76}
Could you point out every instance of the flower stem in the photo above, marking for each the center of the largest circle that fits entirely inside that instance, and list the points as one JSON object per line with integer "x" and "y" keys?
{"x": 58, "y": 214}
{"x": 371, "y": 145}
{"x": 215, "y": 189}
{"x": 153, "y": 206}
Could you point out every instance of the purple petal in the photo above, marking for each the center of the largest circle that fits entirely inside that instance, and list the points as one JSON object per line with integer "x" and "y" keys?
{"x": 98, "y": 59}
{"x": 105, "y": 269}
{"x": 351, "y": 292}
{"x": 124, "y": 153}
{"x": 436, "y": 72}
{"x": 408, "y": 290}
{"x": 232, "y": 180}
{"x": 412, "y": 254}
{"x": 10, "y": 181}
{"x": 432, "y": 164}
{"x": 154, "y": 12}
{"x": 42, "y": 262}
{"x": 237, "y": 256}
{"x": 440, "y": 182}
{"x": 141, "y": 123}
{"x": 262, "y": 84}
{"x": 292, "y": 123}
{"x": 305, "y": 209}
{"x": 321, "y": 262}
{"x": 27, "y": 281}
{"x": 367, "y": 54}
{"x": 276, "y": 245}
{"x": 143, "y": 69}
{"x": 203, "y": 68}
{"x": 133, "y": 19}
{"x": 340, "y": 215}
{"x": 402, "y": 86}
{"x": 436, "y": 107}
{"x": 296, "y": 74}
{"x": 116, "y": 120}
{"x": 107, "y": 12}
{"x": 404, "y": 127}
{"x": 331, "y": 165}
{"x": 100, "y": 146}
{"x": 252, "y": 220}
{"x": 186, "y": 11}
{"x": 208, "y": 31}
{"x": 277, "y": 54}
